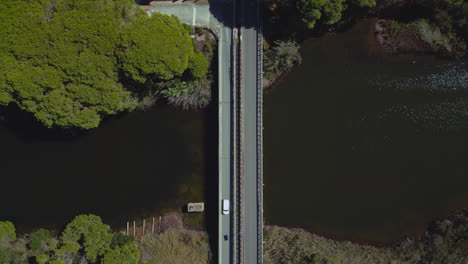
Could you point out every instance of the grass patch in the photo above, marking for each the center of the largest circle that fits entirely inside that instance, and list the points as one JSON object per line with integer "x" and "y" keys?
{"x": 174, "y": 246}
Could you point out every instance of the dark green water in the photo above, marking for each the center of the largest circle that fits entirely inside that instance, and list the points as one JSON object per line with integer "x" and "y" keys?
{"x": 366, "y": 147}
{"x": 131, "y": 166}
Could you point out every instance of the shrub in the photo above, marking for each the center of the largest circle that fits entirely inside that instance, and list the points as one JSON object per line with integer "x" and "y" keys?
{"x": 208, "y": 50}
{"x": 188, "y": 95}
{"x": 281, "y": 58}
{"x": 440, "y": 42}
{"x": 173, "y": 246}
{"x": 198, "y": 65}
{"x": 147, "y": 102}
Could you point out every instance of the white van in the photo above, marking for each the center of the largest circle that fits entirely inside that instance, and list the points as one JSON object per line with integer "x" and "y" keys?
{"x": 225, "y": 207}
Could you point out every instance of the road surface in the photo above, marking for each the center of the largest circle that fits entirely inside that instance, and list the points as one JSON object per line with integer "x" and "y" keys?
{"x": 251, "y": 142}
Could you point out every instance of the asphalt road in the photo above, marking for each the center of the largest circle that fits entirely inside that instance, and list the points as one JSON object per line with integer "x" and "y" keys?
{"x": 249, "y": 91}
{"x": 225, "y": 137}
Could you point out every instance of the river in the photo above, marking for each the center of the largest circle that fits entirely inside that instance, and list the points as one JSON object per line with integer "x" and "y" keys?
{"x": 364, "y": 146}
{"x": 137, "y": 164}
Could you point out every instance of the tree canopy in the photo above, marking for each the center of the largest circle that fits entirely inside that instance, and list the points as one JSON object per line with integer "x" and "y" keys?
{"x": 326, "y": 11}
{"x": 65, "y": 61}
{"x": 93, "y": 235}
{"x": 39, "y": 239}
{"x": 87, "y": 240}
{"x": 198, "y": 65}
{"x": 158, "y": 47}
{"x": 7, "y": 232}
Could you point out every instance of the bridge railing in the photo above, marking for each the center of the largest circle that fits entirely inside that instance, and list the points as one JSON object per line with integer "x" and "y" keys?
{"x": 260, "y": 143}
{"x": 240, "y": 175}
{"x": 235, "y": 149}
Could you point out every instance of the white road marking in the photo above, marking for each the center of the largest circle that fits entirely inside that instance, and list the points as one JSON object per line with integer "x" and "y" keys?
{"x": 194, "y": 14}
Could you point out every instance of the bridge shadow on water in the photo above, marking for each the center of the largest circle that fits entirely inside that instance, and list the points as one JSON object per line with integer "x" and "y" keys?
{"x": 223, "y": 11}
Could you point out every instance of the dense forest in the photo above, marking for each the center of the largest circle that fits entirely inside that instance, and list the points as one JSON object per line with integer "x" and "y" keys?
{"x": 84, "y": 240}
{"x": 72, "y": 62}
{"x": 87, "y": 240}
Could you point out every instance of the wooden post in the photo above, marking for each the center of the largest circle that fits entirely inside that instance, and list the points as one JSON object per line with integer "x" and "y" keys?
{"x": 128, "y": 226}
{"x": 134, "y": 228}
{"x": 159, "y": 225}
{"x": 143, "y": 227}
{"x": 152, "y": 228}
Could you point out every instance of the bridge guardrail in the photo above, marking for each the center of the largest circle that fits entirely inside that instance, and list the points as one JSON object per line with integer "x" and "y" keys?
{"x": 260, "y": 143}
{"x": 240, "y": 110}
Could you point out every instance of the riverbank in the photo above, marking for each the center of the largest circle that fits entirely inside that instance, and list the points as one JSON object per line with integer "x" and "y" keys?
{"x": 443, "y": 242}
{"x": 419, "y": 37}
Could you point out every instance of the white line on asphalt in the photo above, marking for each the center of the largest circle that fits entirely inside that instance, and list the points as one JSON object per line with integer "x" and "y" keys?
{"x": 194, "y": 14}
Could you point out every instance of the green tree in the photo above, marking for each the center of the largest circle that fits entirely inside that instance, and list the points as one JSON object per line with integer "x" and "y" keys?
{"x": 89, "y": 231}
{"x": 328, "y": 11}
{"x": 126, "y": 254}
{"x": 40, "y": 239}
{"x": 68, "y": 251}
{"x": 9, "y": 256}
{"x": 198, "y": 65}
{"x": 365, "y": 3}
{"x": 57, "y": 261}
{"x": 119, "y": 240}
{"x": 42, "y": 259}
{"x": 63, "y": 70}
{"x": 158, "y": 47}
{"x": 59, "y": 57}
{"x": 7, "y": 232}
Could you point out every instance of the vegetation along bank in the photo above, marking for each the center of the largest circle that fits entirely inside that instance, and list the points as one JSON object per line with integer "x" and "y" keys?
{"x": 437, "y": 27}
{"x": 71, "y": 63}
{"x": 87, "y": 240}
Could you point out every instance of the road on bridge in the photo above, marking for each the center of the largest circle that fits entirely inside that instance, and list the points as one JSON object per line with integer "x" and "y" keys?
{"x": 251, "y": 133}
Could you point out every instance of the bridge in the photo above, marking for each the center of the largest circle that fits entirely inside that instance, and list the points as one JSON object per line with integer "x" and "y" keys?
{"x": 240, "y": 138}
{"x": 250, "y": 133}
